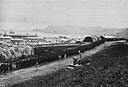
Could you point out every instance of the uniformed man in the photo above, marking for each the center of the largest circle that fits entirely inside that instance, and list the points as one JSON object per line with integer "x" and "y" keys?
{"x": 65, "y": 56}
{"x": 10, "y": 67}
{"x": 80, "y": 54}
{"x": 37, "y": 64}
{"x": 59, "y": 57}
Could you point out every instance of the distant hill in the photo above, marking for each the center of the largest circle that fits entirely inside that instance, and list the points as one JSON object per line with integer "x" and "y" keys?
{"x": 123, "y": 33}
{"x": 69, "y": 29}
{"x": 37, "y": 30}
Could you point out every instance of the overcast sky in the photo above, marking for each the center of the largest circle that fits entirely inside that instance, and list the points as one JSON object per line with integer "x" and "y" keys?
{"x": 105, "y": 13}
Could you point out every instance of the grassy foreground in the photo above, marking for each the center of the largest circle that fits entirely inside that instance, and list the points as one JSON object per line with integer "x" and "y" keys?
{"x": 108, "y": 68}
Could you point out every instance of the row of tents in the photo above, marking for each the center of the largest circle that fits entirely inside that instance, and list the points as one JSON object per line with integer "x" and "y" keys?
{"x": 8, "y": 53}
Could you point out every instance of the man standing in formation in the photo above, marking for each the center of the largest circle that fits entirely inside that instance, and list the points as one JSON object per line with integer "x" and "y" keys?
{"x": 80, "y": 54}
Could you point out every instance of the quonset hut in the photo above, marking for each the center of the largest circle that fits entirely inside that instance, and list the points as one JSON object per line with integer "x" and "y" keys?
{"x": 15, "y": 52}
{"x": 91, "y": 39}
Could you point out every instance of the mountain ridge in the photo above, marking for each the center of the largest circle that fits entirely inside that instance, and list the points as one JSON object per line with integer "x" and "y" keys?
{"x": 70, "y": 29}
{"x": 123, "y": 33}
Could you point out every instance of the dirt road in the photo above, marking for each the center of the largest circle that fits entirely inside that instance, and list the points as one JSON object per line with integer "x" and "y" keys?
{"x": 29, "y": 73}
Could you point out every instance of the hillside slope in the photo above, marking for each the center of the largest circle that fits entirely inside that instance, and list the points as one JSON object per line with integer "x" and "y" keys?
{"x": 123, "y": 33}
{"x": 108, "y": 68}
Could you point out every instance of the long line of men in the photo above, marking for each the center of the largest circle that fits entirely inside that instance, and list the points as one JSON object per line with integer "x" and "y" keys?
{"x": 22, "y": 63}
{"x": 18, "y": 64}
{"x": 5, "y": 67}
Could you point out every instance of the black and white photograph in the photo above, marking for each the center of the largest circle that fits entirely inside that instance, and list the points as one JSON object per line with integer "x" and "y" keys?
{"x": 63, "y": 43}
